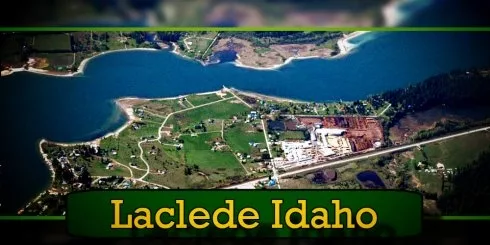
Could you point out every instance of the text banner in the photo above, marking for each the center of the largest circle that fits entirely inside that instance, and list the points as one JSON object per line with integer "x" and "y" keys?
{"x": 244, "y": 213}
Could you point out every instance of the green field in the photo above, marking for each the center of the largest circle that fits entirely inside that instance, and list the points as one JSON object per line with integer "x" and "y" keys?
{"x": 202, "y": 99}
{"x": 161, "y": 107}
{"x": 208, "y": 167}
{"x": 198, "y": 151}
{"x": 292, "y": 135}
{"x": 458, "y": 151}
{"x": 240, "y": 135}
{"x": 221, "y": 110}
{"x": 52, "y": 42}
{"x": 126, "y": 147}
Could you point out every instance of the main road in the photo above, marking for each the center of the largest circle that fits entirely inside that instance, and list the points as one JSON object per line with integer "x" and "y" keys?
{"x": 250, "y": 184}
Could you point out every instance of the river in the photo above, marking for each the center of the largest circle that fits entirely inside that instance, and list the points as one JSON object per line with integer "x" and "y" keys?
{"x": 81, "y": 108}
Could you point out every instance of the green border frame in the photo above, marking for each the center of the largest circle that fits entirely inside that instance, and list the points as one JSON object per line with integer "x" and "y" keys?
{"x": 242, "y": 29}
{"x": 49, "y": 218}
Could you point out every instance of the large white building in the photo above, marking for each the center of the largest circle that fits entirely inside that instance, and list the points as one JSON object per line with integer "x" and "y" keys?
{"x": 330, "y": 141}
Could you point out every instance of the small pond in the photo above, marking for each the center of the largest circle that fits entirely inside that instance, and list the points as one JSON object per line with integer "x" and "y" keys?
{"x": 370, "y": 179}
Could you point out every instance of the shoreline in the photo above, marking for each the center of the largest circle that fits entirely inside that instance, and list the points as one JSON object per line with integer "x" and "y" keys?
{"x": 127, "y": 110}
{"x": 264, "y": 96}
{"x": 341, "y": 43}
{"x": 81, "y": 67}
{"x": 53, "y": 175}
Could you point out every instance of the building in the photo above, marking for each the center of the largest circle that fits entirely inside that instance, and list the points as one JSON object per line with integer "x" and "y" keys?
{"x": 253, "y": 115}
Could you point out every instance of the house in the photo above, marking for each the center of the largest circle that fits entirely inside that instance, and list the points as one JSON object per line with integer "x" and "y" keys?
{"x": 253, "y": 115}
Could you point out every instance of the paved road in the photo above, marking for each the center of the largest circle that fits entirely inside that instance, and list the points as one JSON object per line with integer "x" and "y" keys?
{"x": 250, "y": 184}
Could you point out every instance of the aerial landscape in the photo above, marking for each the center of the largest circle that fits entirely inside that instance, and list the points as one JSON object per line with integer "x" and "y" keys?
{"x": 246, "y": 110}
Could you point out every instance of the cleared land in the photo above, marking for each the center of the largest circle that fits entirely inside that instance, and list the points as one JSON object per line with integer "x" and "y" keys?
{"x": 197, "y": 45}
{"x": 271, "y": 56}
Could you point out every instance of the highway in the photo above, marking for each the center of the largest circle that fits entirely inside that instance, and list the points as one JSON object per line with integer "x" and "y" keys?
{"x": 250, "y": 184}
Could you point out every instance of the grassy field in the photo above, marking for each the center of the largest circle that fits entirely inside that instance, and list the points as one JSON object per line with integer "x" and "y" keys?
{"x": 199, "y": 43}
{"x": 208, "y": 167}
{"x": 220, "y": 110}
{"x": 292, "y": 135}
{"x": 240, "y": 135}
{"x": 161, "y": 107}
{"x": 459, "y": 151}
{"x": 126, "y": 147}
{"x": 198, "y": 151}
{"x": 52, "y": 42}
{"x": 202, "y": 99}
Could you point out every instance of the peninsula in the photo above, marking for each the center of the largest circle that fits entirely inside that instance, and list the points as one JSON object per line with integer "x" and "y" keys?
{"x": 238, "y": 139}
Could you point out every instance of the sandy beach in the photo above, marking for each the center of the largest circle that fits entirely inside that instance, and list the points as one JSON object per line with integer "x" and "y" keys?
{"x": 343, "y": 43}
{"x": 274, "y": 67}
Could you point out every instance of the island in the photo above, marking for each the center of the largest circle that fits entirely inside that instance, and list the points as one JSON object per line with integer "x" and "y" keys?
{"x": 233, "y": 139}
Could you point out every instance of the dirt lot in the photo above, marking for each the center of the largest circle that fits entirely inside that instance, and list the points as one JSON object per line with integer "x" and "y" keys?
{"x": 274, "y": 55}
{"x": 301, "y": 50}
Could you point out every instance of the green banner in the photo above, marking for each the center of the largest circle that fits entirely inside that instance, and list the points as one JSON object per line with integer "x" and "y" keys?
{"x": 244, "y": 213}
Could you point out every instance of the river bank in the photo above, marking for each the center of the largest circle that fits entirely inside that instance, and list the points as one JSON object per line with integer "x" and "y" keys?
{"x": 82, "y": 109}
{"x": 80, "y": 69}
{"x": 342, "y": 44}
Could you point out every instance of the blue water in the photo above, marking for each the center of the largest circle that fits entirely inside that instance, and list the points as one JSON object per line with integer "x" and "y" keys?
{"x": 370, "y": 179}
{"x": 81, "y": 108}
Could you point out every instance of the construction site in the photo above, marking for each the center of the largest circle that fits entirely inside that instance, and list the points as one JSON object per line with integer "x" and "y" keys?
{"x": 329, "y": 138}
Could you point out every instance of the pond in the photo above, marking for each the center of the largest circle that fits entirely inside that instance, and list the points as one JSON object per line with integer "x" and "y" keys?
{"x": 370, "y": 179}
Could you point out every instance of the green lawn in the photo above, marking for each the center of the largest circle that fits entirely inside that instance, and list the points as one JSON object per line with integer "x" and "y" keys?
{"x": 458, "y": 151}
{"x": 240, "y": 135}
{"x": 202, "y": 99}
